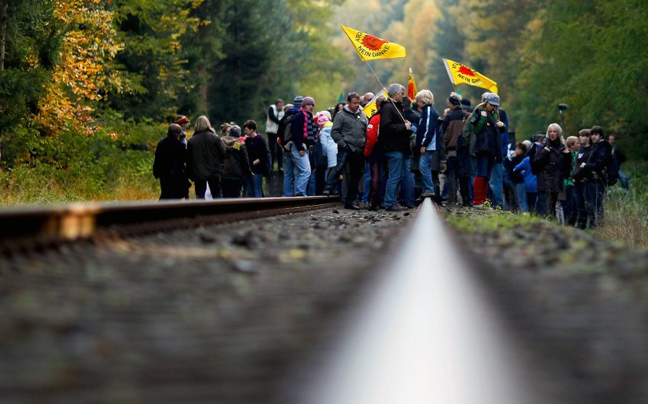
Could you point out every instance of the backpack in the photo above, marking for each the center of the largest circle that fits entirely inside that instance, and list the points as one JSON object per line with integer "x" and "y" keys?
{"x": 284, "y": 133}
{"x": 612, "y": 171}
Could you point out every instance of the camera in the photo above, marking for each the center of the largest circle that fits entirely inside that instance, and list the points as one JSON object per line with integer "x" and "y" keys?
{"x": 562, "y": 107}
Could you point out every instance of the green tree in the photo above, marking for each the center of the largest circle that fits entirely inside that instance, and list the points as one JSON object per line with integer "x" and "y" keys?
{"x": 29, "y": 42}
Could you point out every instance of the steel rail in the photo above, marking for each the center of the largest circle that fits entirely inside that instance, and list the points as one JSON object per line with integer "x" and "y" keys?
{"x": 425, "y": 332}
{"x": 83, "y": 220}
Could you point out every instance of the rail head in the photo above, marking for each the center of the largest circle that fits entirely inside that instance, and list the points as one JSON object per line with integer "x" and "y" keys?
{"x": 425, "y": 332}
{"x": 82, "y": 220}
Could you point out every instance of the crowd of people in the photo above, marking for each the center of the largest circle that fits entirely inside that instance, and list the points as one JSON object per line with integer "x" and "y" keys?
{"x": 403, "y": 153}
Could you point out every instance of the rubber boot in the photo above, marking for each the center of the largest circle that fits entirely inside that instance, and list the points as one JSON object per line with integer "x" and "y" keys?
{"x": 481, "y": 190}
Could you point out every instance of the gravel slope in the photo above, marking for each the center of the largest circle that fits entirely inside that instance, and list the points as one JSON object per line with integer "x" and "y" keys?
{"x": 580, "y": 305}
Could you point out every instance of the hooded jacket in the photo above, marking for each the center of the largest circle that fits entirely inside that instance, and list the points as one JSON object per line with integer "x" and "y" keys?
{"x": 237, "y": 165}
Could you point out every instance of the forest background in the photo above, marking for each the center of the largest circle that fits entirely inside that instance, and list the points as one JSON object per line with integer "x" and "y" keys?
{"x": 87, "y": 87}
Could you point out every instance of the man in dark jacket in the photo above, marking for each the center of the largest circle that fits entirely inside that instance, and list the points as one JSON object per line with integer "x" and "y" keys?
{"x": 206, "y": 154}
{"x": 487, "y": 127}
{"x": 579, "y": 180}
{"x": 553, "y": 163}
{"x": 169, "y": 165}
{"x": 595, "y": 169}
{"x": 350, "y": 134}
{"x": 451, "y": 128}
{"x": 394, "y": 139}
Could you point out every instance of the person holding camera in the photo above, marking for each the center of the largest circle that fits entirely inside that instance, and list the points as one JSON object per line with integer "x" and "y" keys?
{"x": 553, "y": 164}
{"x": 487, "y": 128}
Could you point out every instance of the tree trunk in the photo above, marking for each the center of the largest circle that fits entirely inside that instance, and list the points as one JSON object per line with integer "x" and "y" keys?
{"x": 3, "y": 31}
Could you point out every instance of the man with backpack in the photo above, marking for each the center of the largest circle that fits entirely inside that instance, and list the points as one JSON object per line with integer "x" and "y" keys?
{"x": 596, "y": 169}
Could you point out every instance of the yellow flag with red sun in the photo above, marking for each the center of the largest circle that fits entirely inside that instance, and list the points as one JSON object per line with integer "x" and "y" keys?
{"x": 460, "y": 73}
{"x": 371, "y": 47}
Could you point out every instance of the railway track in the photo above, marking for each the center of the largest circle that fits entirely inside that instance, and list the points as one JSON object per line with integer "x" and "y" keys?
{"x": 305, "y": 303}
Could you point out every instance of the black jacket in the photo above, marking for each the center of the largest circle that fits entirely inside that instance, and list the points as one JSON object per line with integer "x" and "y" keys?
{"x": 394, "y": 136}
{"x": 553, "y": 166}
{"x": 257, "y": 148}
{"x": 170, "y": 158}
{"x": 206, "y": 155}
{"x": 597, "y": 165}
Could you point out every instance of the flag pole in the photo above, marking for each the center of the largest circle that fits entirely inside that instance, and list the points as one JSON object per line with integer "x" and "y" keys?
{"x": 382, "y": 86}
{"x": 445, "y": 64}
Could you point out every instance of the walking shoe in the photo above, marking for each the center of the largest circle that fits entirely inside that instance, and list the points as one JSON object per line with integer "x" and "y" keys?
{"x": 326, "y": 192}
{"x": 352, "y": 206}
{"x": 427, "y": 194}
{"x": 396, "y": 208}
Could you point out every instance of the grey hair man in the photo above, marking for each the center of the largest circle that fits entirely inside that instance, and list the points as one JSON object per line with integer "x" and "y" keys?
{"x": 395, "y": 133}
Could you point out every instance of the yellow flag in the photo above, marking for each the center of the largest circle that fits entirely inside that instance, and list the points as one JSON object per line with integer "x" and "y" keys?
{"x": 411, "y": 85}
{"x": 463, "y": 74}
{"x": 370, "y": 47}
{"x": 371, "y": 107}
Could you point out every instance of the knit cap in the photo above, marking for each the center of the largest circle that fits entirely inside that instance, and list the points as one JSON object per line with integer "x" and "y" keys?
{"x": 308, "y": 101}
{"x": 180, "y": 119}
{"x": 297, "y": 102}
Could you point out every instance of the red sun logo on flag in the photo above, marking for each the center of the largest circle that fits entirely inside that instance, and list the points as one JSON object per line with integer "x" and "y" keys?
{"x": 466, "y": 71}
{"x": 372, "y": 42}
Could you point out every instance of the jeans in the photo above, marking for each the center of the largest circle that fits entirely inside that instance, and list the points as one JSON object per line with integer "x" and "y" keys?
{"x": 426, "y": 171}
{"x": 407, "y": 181}
{"x": 484, "y": 165}
{"x": 546, "y": 203}
{"x": 521, "y": 197}
{"x": 254, "y": 186}
{"x": 395, "y": 167}
{"x": 302, "y": 171}
{"x": 496, "y": 185}
{"x": 311, "y": 190}
{"x": 594, "y": 192}
{"x": 579, "y": 202}
{"x": 289, "y": 176}
{"x": 367, "y": 182}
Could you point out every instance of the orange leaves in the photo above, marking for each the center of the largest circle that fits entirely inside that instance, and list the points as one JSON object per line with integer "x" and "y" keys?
{"x": 88, "y": 45}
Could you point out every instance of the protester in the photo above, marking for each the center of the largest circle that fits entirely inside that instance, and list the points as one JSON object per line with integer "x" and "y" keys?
{"x": 431, "y": 147}
{"x": 552, "y": 164}
{"x": 578, "y": 177}
{"x": 289, "y": 175}
{"x": 236, "y": 166}
{"x": 206, "y": 153}
{"x": 183, "y": 121}
{"x": 595, "y": 169}
{"x": 394, "y": 139}
{"x": 487, "y": 128}
{"x": 451, "y": 129}
{"x": 169, "y": 165}
{"x": 303, "y": 130}
{"x": 260, "y": 160}
{"x": 274, "y": 115}
{"x": 349, "y": 133}
{"x": 375, "y": 156}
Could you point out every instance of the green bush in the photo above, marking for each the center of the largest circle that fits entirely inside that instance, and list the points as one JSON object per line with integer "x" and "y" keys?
{"x": 113, "y": 164}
